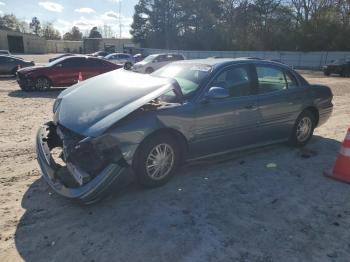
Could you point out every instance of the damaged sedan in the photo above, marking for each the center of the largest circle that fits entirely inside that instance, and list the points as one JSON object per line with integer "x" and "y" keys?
{"x": 121, "y": 126}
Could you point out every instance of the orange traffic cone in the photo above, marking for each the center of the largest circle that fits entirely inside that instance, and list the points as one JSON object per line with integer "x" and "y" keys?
{"x": 80, "y": 77}
{"x": 341, "y": 170}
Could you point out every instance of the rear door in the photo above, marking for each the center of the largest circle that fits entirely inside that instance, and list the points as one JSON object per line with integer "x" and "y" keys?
{"x": 67, "y": 72}
{"x": 96, "y": 66}
{"x": 280, "y": 101}
{"x": 228, "y": 123}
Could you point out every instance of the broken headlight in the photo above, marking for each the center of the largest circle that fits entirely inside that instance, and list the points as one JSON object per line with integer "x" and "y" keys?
{"x": 56, "y": 105}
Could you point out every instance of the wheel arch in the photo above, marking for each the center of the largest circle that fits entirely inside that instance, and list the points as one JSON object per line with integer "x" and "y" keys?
{"x": 176, "y": 134}
{"x": 314, "y": 111}
{"x": 44, "y": 76}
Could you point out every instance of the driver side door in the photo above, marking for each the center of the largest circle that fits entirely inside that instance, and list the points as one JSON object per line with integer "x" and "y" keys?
{"x": 228, "y": 123}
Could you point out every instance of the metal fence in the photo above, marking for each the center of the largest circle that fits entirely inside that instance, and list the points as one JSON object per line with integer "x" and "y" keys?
{"x": 301, "y": 60}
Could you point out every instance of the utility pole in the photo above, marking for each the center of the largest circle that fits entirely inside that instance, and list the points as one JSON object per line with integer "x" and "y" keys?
{"x": 120, "y": 19}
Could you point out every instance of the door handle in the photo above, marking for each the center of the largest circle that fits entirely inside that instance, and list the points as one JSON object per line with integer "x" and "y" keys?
{"x": 250, "y": 107}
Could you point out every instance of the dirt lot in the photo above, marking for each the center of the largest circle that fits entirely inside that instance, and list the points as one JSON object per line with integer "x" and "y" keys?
{"x": 226, "y": 209}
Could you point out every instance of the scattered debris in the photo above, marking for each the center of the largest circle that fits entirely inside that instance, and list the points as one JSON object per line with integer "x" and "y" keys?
{"x": 306, "y": 153}
{"x": 332, "y": 255}
{"x": 271, "y": 165}
{"x": 242, "y": 162}
{"x": 274, "y": 201}
{"x": 179, "y": 189}
{"x": 185, "y": 212}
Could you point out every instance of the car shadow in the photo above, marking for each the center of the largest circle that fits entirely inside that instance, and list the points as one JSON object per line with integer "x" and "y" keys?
{"x": 7, "y": 77}
{"x": 52, "y": 93}
{"x": 192, "y": 213}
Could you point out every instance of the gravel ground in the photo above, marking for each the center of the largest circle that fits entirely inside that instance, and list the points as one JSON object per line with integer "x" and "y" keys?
{"x": 231, "y": 208}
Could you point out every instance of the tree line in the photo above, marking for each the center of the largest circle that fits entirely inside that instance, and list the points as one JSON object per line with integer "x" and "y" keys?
{"x": 301, "y": 25}
{"x": 47, "y": 30}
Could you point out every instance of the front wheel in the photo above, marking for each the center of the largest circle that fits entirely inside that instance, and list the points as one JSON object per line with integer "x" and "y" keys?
{"x": 157, "y": 160}
{"x": 42, "y": 84}
{"x": 303, "y": 129}
{"x": 149, "y": 70}
{"x": 127, "y": 66}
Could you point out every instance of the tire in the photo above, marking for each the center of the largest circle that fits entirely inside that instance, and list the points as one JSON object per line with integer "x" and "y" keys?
{"x": 42, "y": 84}
{"x": 147, "y": 156}
{"x": 127, "y": 66}
{"x": 326, "y": 73}
{"x": 14, "y": 71}
{"x": 303, "y": 129}
{"x": 149, "y": 70}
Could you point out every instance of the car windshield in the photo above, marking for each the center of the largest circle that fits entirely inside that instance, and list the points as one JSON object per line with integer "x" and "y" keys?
{"x": 189, "y": 76}
{"x": 150, "y": 58}
{"x": 57, "y": 61}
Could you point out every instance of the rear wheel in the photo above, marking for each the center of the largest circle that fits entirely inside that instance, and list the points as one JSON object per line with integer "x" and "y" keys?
{"x": 326, "y": 73}
{"x": 127, "y": 66}
{"x": 42, "y": 84}
{"x": 157, "y": 160}
{"x": 149, "y": 70}
{"x": 303, "y": 129}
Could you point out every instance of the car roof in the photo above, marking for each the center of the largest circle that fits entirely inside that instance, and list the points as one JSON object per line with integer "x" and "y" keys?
{"x": 218, "y": 62}
{"x": 11, "y": 56}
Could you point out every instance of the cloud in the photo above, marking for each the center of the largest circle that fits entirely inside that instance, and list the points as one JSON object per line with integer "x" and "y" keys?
{"x": 110, "y": 15}
{"x": 52, "y": 6}
{"x": 86, "y": 10}
{"x": 109, "y": 18}
{"x": 2, "y": 3}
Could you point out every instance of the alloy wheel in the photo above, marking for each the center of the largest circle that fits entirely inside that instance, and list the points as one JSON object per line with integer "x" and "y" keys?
{"x": 304, "y": 129}
{"x": 160, "y": 161}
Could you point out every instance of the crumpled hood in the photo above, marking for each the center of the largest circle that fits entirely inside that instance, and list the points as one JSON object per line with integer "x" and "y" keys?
{"x": 92, "y": 106}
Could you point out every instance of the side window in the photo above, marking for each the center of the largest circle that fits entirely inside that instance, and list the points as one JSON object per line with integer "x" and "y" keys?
{"x": 161, "y": 58}
{"x": 93, "y": 62}
{"x": 236, "y": 80}
{"x": 73, "y": 62}
{"x": 291, "y": 81}
{"x": 270, "y": 79}
{"x": 179, "y": 57}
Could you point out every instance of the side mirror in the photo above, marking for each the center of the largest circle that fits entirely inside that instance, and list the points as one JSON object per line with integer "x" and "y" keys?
{"x": 217, "y": 93}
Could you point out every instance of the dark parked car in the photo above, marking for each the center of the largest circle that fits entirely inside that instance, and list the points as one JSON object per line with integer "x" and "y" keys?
{"x": 60, "y": 56}
{"x": 62, "y": 72}
{"x": 124, "y": 123}
{"x": 340, "y": 67}
{"x": 10, "y": 64}
{"x": 5, "y": 52}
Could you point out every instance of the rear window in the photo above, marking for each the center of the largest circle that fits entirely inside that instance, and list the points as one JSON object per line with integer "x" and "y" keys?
{"x": 74, "y": 62}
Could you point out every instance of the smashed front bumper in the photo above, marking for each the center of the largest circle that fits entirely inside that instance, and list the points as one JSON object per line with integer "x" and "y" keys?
{"x": 24, "y": 82}
{"x": 86, "y": 188}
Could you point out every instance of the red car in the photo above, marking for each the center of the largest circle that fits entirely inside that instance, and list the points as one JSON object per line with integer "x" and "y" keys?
{"x": 62, "y": 72}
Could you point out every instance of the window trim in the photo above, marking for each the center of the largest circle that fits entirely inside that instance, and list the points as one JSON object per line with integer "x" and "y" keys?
{"x": 251, "y": 75}
{"x": 283, "y": 70}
